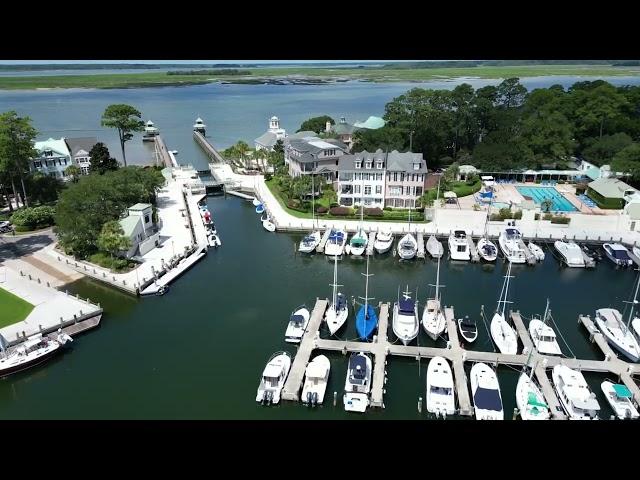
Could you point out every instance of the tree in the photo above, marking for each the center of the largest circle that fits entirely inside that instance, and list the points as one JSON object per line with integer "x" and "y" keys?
{"x": 112, "y": 238}
{"x": 43, "y": 188}
{"x": 242, "y": 148}
{"x": 627, "y": 160}
{"x": 546, "y": 205}
{"x": 74, "y": 172}
{"x": 387, "y": 138}
{"x": 316, "y": 124}
{"x": 593, "y": 107}
{"x": 510, "y": 93}
{"x": 600, "y": 151}
{"x": 16, "y": 148}
{"x": 549, "y": 135}
{"x": 101, "y": 161}
{"x": 126, "y": 120}
{"x": 279, "y": 146}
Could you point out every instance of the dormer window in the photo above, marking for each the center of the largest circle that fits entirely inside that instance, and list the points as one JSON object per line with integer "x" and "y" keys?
{"x": 379, "y": 165}
{"x": 416, "y": 166}
{"x": 368, "y": 165}
{"x": 358, "y": 164}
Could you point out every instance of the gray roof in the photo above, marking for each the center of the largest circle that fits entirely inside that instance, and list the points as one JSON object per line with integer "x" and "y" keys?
{"x": 309, "y": 151}
{"x": 267, "y": 139}
{"x": 80, "y": 143}
{"x": 403, "y": 162}
{"x": 610, "y": 187}
{"x": 343, "y": 128}
{"x": 347, "y": 162}
{"x": 302, "y": 134}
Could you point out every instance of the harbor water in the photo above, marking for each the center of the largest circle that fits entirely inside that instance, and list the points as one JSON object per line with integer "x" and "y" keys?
{"x": 198, "y": 351}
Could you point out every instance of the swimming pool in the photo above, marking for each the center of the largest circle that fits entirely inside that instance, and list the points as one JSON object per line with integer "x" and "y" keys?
{"x": 538, "y": 194}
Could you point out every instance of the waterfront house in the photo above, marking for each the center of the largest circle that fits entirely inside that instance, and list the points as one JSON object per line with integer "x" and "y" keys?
{"x": 405, "y": 179}
{"x": 610, "y": 192}
{"x": 344, "y": 131}
{"x": 52, "y": 158}
{"x": 79, "y": 149}
{"x": 312, "y": 155}
{"x": 139, "y": 228}
{"x": 361, "y": 179}
{"x": 269, "y": 138}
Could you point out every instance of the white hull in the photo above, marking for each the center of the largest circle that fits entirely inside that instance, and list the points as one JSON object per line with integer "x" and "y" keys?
{"x": 336, "y": 249}
{"x": 459, "y": 248}
{"x": 441, "y": 398}
{"x": 623, "y": 407}
{"x": 434, "y": 247}
{"x": 485, "y": 390}
{"x": 543, "y": 338}
{"x": 433, "y": 321}
{"x": 635, "y": 326}
{"x": 468, "y": 336}
{"x": 536, "y": 251}
{"x": 273, "y": 378}
{"x": 407, "y": 247}
{"x": 526, "y": 389}
{"x": 356, "y": 396}
{"x": 610, "y": 323}
{"x": 574, "y": 394}
{"x": 310, "y": 246}
{"x": 405, "y": 326}
{"x": 316, "y": 378}
{"x": 268, "y": 226}
{"x": 383, "y": 242}
{"x": 358, "y": 251}
{"x": 335, "y": 320}
{"x": 571, "y": 253}
{"x": 503, "y": 335}
{"x": 611, "y": 248}
{"x": 487, "y": 250}
{"x": 295, "y": 330}
{"x": 510, "y": 247}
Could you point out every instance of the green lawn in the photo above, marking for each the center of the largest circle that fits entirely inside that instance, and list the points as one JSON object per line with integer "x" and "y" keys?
{"x": 13, "y": 308}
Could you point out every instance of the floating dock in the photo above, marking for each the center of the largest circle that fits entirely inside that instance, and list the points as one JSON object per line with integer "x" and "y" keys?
{"x": 420, "y": 252}
{"x": 473, "y": 251}
{"x": 588, "y": 261}
{"x": 531, "y": 258}
{"x": 370, "y": 243}
{"x": 323, "y": 241}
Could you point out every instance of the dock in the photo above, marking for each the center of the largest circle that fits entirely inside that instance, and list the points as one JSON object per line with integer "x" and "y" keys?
{"x": 370, "y": 243}
{"x": 420, "y": 252}
{"x": 462, "y": 390}
{"x": 531, "y": 258}
{"x": 588, "y": 261}
{"x": 207, "y": 148}
{"x": 522, "y": 331}
{"x": 184, "y": 265}
{"x": 555, "y": 408}
{"x": 380, "y": 362}
{"x": 323, "y": 241}
{"x": 240, "y": 194}
{"x": 473, "y": 251}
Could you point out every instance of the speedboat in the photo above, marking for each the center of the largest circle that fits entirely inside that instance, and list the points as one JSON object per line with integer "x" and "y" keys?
{"x": 405, "y": 318}
{"x": 544, "y": 338}
{"x": 530, "y": 400}
{"x": 618, "y": 254}
{"x": 591, "y": 252}
{"x": 485, "y": 390}
{"x": 468, "y": 329}
{"x": 358, "y": 383}
{"x": 260, "y": 208}
{"x": 537, "y": 252}
{"x": 315, "y": 382}
{"x": 619, "y": 335}
{"x": 33, "y": 351}
{"x": 268, "y": 225}
{"x": 383, "y": 242}
{"x": 570, "y": 252}
{"x": 366, "y": 318}
{"x": 620, "y": 399}
{"x": 503, "y": 334}
{"x": 578, "y": 400}
{"x": 487, "y": 250}
{"x": 338, "y": 311}
{"x": 335, "y": 243}
{"x": 309, "y": 243}
{"x": 256, "y": 202}
{"x": 459, "y": 246}
{"x": 273, "y": 378}
{"x": 433, "y": 320}
{"x": 434, "y": 247}
{"x": 441, "y": 398}
{"x": 297, "y": 324}
{"x": 510, "y": 241}
{"x": 358, "y": 243}
{"x": 407, "y": 247}
{"x": 150, "y": 132}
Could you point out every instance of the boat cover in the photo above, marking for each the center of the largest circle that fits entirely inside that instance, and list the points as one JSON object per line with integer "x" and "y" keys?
{"x": 357, "y": 242}
{"x": 487, "y": 399}
{"x": 297, "y": 319}
{"x": 533, "y": 400}
{"x": 512, "y": 231}
{"x": 407, "y": 306}
{"x": 468, "y": 322}
{"x": 365, "y": 326}
{"x": 336, "y": 237}
{"x": 621, "y": 391}
{"x": 341, "y": 303}
{"x": 358, "y": 375}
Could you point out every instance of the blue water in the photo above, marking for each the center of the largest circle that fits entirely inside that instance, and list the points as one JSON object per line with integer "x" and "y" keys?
{"x": 560, "y": 203}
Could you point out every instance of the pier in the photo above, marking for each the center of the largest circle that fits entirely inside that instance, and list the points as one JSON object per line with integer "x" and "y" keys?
{"x": 323, "y": 241}
{"x": 420, "y": 252}
{"x": 370, "y": 243}
{"x": 531, "y": 258}
{"x": 208, "y": 149}
{"x": 163, "y": 156}
{"x": 590, "y": 262}
{"x": 473, "y": 251}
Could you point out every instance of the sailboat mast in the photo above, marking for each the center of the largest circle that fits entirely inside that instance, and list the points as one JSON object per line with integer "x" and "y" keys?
{"x": 335, "y": 279}
{"x": 313, "y": 201}
{"x": 438, "y": 281}
{"x": 506, "y": 290}
{"x": 635, "y": 299}
{"x": 366, "y": 291}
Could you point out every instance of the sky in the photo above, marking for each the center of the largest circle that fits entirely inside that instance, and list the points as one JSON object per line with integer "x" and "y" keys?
{"x": 158, "y": 62}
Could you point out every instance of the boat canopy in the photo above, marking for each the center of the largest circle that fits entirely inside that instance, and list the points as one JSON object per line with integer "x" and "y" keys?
{"x": 315, "y": 370}
{"x": 588, "y": 403}
{"x": 335, "y": 236}
{"x": 488, "y": 399}
{"x": 357, "y": 242}
{"x": 622, "y": 391}
{"x": 407, "y": 306}
{"x": 459, "y": 233}
{"x": 468, "y": 322}
{"x": 512, "y": 231}
{"x": 358, "y": 367}
{"x": 533, "y": 400}
{"x": 272, "y": 371}
{"x": 297, "y": 319}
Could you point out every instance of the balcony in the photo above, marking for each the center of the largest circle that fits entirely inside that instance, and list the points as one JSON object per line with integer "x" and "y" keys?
{"x": 347, "y": 189}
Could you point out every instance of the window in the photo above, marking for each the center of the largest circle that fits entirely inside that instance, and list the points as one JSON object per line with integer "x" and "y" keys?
{"x": 416, "y": 166}
{"x": 367, "y": 201}
{"x": 356, "y": 189}
{"x": 358, "y": 164}
{"x": 395, "y": 191}
{"x": 379, "y": 165}
{"x": 402, "y": 177}
{"x": 395, "y": 176}
{"x": 418, "y": 191}
{"x": 379, "y": 177}
{"x": 367, "y": 189}
{"x": 37, "y": 164}
{"x": 378, "y": 189}
{"x": 146, "y": 219}
{"x": 367, "y": 165}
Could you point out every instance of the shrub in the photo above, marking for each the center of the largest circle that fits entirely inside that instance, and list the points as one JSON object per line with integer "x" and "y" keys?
{"x": 536, "y": 216}
{"x": 560, "y": 219}
{"x": 268, "y": 176}
{"x": 388, "y": 209}
{"x": 340, "y": 211}
{"x": 322, "y": 209}
{"x": 36, "y": 217}
{"x": 22, "y": 228}
{"x": 333, "y": 204}
{"x": 547, "y": 216}
{"x": 112, "y": 263}
{"x": 373, "y": 212}
{"x": 517, "y": 215}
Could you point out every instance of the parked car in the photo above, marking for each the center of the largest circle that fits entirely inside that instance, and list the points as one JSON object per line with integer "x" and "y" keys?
{"x": 5, "y": 226}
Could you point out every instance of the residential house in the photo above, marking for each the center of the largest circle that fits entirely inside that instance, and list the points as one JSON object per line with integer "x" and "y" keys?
{"x": 361, "y": 179}
{"x": 269, "y": 138}
{"x": 139, "y": 228}
{"x": 80, "y": 148}
{"x": 52, "y": 159}
{"x": 312, "y": 155}
{"x": 343, "y": 130}
{"x": 406, "y": 175}
{"x": 610, "y": 192}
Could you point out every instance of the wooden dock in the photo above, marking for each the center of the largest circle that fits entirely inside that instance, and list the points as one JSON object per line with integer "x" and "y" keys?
{"x": 523, "y": 333}
{"x": 462, "y": 390}
{"x": 370, "y": 242}
{"x": 531, "y": 258}
{"x": 473, "y": 251}
{"x": 555, "y": 408}
{"x": 380, "y": 351}
{"x": 420, "y": 253}
{"x": 323, "y": 241}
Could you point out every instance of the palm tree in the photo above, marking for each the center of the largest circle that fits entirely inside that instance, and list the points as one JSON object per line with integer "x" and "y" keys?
{"x": 242, "y": 149}
{"x": 546, "y": 205}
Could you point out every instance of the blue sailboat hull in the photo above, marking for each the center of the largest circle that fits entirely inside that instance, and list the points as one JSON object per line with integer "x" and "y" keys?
{"x": 366, "y": 326}
{"x": 260, "y": 208}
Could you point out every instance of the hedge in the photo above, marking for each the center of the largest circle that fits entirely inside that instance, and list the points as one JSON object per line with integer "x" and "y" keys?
{"x": 322, "y": 209}
{"x": 605, "y": 203}
{"x": 340, "y": 211}
{"x": 36, "y": 217}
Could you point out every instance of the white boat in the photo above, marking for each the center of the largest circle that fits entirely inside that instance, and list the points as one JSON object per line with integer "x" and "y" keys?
{"x": 570, "y": 252}
{"x": 636, "y": 251}
{"x": 150, "y": 131}
{"x": 543, "y": 336}
{"x": 358, "y": 383}
{"x": 338, "y": 311}
{"x": 510, "y": 241}
{"x": 256, "y": 202}
{"x": 620, "y": 399}
{"x": 298, "y": 322}
{"x": 335, "y": 243}
{"x": 441, "y": 398}
{"x": 268, "y": 225}
{"x": 503, "y": 334}
{"x": 383, "y": 242}
{"x": 405, "y": 318}
{"x": 358, "y": 243}
{"x": 315, "y": 382}
{"x": 578, "y": 401}
{"x": 618, "y": 254}
{"x": 468, "y": 329}
{"x": 273, "y": 378}
{"x": 619, "y": 335}
{"x": 309, "y": 243}
{"x": 459, "y": 246}
{"x": 635, "y": 325}
{"x": 433, "y": 320}
{"x": 537, "y": 252}
{"x": 434, "y": 247}
{"x": 33, "y": 351}
{"x": 530, "y": 400}
{"x": 485, "y": 391}
{"x": 487, "y": 250}
{"x": 407, "y": 247}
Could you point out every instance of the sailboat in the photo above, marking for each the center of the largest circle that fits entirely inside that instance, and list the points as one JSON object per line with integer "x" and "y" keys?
{"x": 405, "y": 318}
{"x": 486, "y": 248}
{"x": 502, "y": 333}
{"x": 441, "y": 397}
{"x": 309, "y": 243}
{"x": 383, "y": 242}
{"x": 433, "y": 320}
{"x": 367, "y": 318}
{"x": 338, "y": 311}
{"x": 408, "y": 245}
{"x": 529, "y": 397}
{"x": 543, "y": 336}
{"x": 358, "y": 243}
{"x": 34, "y": 351}
{"x": 434, "y": 247}
{"x": 335, "y": 243}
